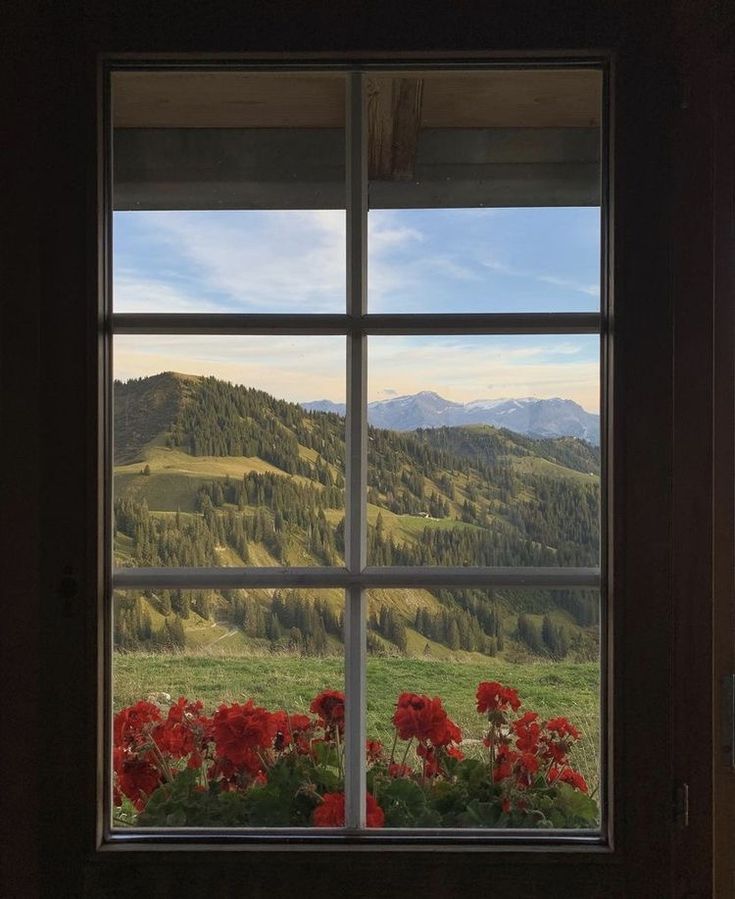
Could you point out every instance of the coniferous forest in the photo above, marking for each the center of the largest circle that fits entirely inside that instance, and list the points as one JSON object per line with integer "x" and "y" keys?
{"x": 212, "y": 474}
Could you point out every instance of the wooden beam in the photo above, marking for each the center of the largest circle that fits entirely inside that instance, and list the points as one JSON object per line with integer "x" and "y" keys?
{"x": 213, "y": 168}
{"x": 394, "y": 118}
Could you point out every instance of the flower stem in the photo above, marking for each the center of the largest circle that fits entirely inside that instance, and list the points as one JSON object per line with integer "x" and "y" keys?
{"x": 393, "y": 747}
{"x": 339, "y": 751}
{"x": 405, "y": 754}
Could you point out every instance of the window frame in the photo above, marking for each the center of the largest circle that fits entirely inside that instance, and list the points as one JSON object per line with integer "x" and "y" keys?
{"x": 356, "y": 577}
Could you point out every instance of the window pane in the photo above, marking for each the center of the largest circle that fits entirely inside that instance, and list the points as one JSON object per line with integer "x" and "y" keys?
{"x": 531, "y": 756}
{"x": 229, "y": 708}
{"x": 484, "y": 191}
{"x": 216, "y": 463}
{"x": 484, "y": 451}
{"x": 229, "y": 192}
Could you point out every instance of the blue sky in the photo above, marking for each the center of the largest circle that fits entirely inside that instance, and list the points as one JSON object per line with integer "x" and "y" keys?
{"x": 462, "y": 260}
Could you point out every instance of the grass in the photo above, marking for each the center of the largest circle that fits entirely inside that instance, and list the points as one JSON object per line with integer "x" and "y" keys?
{"x": 290, "y": 681}
{"x": 539, "y": 466}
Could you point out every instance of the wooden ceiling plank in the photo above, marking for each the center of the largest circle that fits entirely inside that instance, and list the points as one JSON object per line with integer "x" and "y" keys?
{"x": 513, "y": 99}
{"x": 498, "y": 98}
{"x": 227, "y": 100}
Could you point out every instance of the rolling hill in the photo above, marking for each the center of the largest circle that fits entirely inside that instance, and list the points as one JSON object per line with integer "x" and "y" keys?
{"x": 209, "y": 473}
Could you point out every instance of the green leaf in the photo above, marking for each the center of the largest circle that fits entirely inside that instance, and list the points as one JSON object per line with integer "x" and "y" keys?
{"x": 579, "y": 809}
{"x": 482, "y": 814}
{"x": 403, "y": 802}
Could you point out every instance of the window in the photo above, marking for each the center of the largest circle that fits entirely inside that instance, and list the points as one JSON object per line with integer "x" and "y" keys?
{"x": 358, "y": 358}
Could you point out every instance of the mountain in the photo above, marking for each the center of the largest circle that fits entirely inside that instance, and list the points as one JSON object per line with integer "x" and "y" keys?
{"x": 325, "y": 406}
{"x": 208, "y": 473}
{"x": 536, "y": 417}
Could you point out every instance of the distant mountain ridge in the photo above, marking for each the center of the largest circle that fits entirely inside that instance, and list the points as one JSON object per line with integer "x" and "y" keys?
{"x": 555, "y": 417}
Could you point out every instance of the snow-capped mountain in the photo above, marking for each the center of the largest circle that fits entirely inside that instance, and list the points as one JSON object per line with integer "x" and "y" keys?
{"x": 554, "y": 417}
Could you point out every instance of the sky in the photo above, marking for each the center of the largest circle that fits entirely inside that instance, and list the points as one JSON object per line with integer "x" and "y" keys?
{"x": 429, "y": 260}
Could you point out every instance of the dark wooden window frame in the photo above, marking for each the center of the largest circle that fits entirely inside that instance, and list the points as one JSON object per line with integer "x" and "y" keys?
{"x": 62, "y": 630}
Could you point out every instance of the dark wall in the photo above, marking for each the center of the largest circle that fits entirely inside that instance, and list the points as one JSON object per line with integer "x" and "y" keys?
{"x": 48, "y": 621}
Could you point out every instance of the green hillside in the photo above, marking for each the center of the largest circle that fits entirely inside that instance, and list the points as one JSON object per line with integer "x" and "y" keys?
{"x": 208, "y": 473}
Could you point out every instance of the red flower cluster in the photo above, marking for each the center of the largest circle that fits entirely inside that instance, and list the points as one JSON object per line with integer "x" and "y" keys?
{"x": 131, "y": 726}
{"x": 374, "y": 750}
{"x": 134, "y": 754}
{"x": 425, "y": 719}
{"x": 541, "y": 748}
{"x": 241, "y": 730}
{"x": 559, "y": 740}
{"x": 238, "y": 748}
{"x": 329, "y": 705}
{"x": 331, "y": 811}
{"x": 527, "y": 731}
{"x": 184, "y": 731}
{"x": 569, "y": 776}
{"x": 137, "y": 778}
{"x": 494, "y": 697}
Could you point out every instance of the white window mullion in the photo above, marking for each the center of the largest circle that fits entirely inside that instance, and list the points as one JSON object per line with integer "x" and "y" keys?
{"x": 356, "y": 454}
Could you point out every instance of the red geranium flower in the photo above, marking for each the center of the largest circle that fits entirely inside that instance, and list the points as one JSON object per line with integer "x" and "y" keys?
{"x": 374, "y": 750}
{"x": 136, "y": 778}
{"x": 569, "y": 776}
{"x": 183, "y": 729}
{"x": 299, "y": 723}
{"x": 455, "y": 753}
{"x": 563, "y": 728}
{"x": 557, "y": 743}
{"x": 130, "y": 726}
{"x": 331, "y": 812}
{"x": 452, "y": 734}
{"x": 240, "y": 730}
{"x": 492, "y": 696}
{"x": 421, "y": 717}
{"x": 525, "y": 768}
{"x": 396, "y": 770}
{"x": 431, "y": 762}
{"x": 527, "y": 731}
{"x": 329, "y": 705}
{"x": 504, "y": 761}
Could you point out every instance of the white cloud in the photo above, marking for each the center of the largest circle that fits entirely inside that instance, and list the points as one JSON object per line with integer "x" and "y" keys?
{"x": 132, "y": 293}
{"x": 284, "y": 261}
{"x": 592, "y": 290}
{"x": 496, "y": 265}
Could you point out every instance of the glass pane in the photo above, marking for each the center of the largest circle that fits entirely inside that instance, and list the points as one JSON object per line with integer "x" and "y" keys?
{"x": 216, "y": 463}
{"x": 229, "y": 192}
{"x": 484, "y": 707}
{"x": 484, "y": 191}
{"x": 228, "y": 708}
{"x": 484, "y": 450}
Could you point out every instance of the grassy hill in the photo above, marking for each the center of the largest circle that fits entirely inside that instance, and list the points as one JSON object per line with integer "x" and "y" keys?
{"x": 208, "y": 473}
